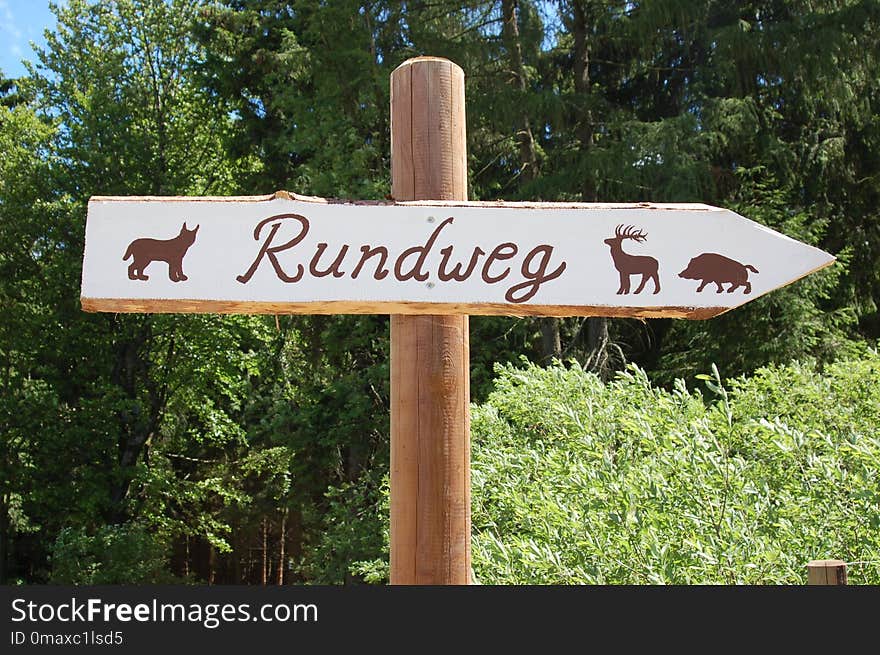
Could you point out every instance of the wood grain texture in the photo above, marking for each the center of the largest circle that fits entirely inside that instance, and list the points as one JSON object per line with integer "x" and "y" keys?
{"x": 401, "y": 131}
{"x": 404, "y": 452}
{"x": 430, "y": 369}
{"x": 404, "y": 124}
{"x": 174, "y": 306}
{"x": 826, "y": 572}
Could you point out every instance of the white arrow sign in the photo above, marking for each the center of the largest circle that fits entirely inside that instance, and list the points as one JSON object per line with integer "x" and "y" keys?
{"x": 292, "y": 254}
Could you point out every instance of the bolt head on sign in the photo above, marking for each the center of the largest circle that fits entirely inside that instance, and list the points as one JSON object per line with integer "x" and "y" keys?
{"x": 291, "y": 254}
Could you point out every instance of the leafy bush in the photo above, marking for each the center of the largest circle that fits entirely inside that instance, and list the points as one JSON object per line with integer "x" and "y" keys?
{"x": 354, "y": 528}
{"x": 576, "y": 481}
{"x": 113, "y": 554}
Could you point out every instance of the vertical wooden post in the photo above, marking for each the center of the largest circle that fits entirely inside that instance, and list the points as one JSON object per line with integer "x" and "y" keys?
{"x": 430, "y": 370}
{"x": 826, "y": 572}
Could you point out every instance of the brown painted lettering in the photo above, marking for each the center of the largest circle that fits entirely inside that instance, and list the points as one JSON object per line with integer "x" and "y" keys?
{"x": 502, "y": 251}
{"x": 334, "y": 267}
{"x": 380, "y": 272}
{"x": 456, "y": 273}
{"x": 270, "y": 251}
{"x": 416, "y": 271}
{"x": 410, "y": 264}
{"x": 534, "y": 279}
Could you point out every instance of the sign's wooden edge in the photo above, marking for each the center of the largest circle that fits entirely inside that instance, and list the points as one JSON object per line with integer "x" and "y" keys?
{"x": 189, "y": 306}
{"x": 481, "y": 204}
{"x": 172, "y": 306}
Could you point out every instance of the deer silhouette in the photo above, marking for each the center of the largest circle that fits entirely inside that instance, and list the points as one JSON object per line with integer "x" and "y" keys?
{"x": 627, "y": 264}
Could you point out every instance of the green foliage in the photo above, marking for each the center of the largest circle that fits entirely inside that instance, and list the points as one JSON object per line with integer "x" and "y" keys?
{"x": 310, "y": 90}
{"x": 354, "y": 531}
{"x": 111, "y": 107}
{"x": 576, "y": 481}
{"x": 114, "y": 554}
{"x": 245, "y": 449}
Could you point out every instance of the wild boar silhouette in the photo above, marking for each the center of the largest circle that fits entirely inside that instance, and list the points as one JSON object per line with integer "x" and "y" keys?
{"x": 712, "y": 267}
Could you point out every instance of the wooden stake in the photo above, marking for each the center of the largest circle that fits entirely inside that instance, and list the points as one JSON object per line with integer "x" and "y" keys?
{"x": 430, "y": 369}
{"x": 826, "y": 572}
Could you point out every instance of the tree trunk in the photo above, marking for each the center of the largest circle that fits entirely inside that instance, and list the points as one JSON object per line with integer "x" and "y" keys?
{"x": 597, "y": 326}
{"x": 597, "y": 345}
{"x": 551, "y": 341}
{"x": 212, "y": 564}
{"x": 282, "y": 536}
{"x": 510, "y": 34}
{"x": 4, "y": 538}
{"x": 551, "y": 345}
{"x": 264, "y": 568}
{"x": 239, "y": 550}
{"x": 129, "y": 373}
{"x": 580, "y": 33}
{"x": 294, "y": 536}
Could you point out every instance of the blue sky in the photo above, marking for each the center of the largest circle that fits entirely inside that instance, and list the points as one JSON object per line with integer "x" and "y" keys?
{"x": 21, "y": 21}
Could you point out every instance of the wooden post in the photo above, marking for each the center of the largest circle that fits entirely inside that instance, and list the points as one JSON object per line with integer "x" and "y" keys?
{"x": 430, "y": 370}
{"x": 826, "y": 572}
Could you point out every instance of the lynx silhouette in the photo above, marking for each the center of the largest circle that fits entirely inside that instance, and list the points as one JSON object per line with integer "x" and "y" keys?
{"x": 712, "y": 267}
{"x": 172, "y": 251}
{"x": 627, "y": 264}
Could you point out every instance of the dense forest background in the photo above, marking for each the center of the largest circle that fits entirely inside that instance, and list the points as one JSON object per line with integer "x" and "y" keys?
{"x": 237, "y": 449}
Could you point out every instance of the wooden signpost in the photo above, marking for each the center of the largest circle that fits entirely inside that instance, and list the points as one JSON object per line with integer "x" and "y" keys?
{"x": 430, "y": 259}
